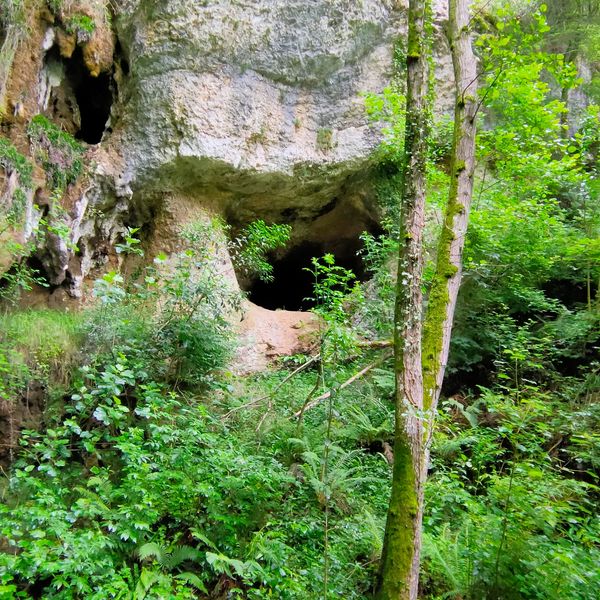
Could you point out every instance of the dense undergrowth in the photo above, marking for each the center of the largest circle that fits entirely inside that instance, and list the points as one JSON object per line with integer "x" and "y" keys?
{"x": 156, "y": 473}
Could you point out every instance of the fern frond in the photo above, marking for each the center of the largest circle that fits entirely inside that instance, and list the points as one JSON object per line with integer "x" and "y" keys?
{"x": 151, "y": 550}
{"x": 180, "y": 554}
{"x": 193, "y": 580}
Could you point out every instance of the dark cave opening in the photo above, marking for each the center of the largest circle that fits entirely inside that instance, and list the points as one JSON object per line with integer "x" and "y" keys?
{"x": 94, "y": 97}
{"x": 292, "y": 285}
{"x": 80, "y": 103}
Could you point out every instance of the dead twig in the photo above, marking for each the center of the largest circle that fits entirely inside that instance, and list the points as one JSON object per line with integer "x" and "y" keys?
{"x": 346, "y": 383}
{"x": 256, "y": 401}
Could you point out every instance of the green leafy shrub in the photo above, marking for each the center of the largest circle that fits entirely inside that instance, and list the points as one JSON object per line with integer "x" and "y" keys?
{"x": 20, "y": 277}
{"x": 173, "y": 316}
{"x": 176, "y": 469}
{"x": 250, "y": 249}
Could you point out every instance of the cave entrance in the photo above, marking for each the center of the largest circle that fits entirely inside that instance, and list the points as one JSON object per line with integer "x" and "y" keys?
{"x": 94, "y": 97}
{"x": 79, "y": 102}
{"x": 292, "y": 285}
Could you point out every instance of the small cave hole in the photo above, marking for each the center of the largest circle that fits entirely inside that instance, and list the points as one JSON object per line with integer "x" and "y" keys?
{"x": 292, "y": 284}
{"x": 121, "y": 58}
{"x": 94, "y": 97}
{"x": 81, "y": 103}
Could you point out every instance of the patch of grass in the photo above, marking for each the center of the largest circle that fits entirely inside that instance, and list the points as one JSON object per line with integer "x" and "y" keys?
{"x": 325, "y": 139}
{"x": 41, "y": 344}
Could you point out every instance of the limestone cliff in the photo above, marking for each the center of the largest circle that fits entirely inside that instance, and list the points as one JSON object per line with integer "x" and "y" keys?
{"x": 250, "y": 109}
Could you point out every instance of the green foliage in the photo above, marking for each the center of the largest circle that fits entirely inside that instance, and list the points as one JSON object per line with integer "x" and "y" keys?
{"x": 575, "y": 27}
{"x": 513, "y": 491}
{"x": 38, "y": 345}
{"x": 337, "y": 483}
{"x": 12, "y": 161}
{"x": 55, "y": 5}
{"x": 521, "y": 527}
{"x": 533, "y": 223}
{"x": 251, "y": 249}
{"x": 81, "y": 25}
{"x": 325, "y": 139}
{"x": 332, "y": 284}
{"x": 169, "y": 456}
{"x": 161, "y": 475}
{"x": 61, "y": 154}
{"x": 20, "y": 277}
{"x": 130, "y": 244}
{"x": 173, "y": 316}
{"x": 335, "y": 290}
{"x": 389, "y": 109}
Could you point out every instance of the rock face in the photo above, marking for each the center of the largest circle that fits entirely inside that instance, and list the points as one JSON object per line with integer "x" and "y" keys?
{"x": 256, "y": 109}
{"x": 246, "y": 108}
{"x": 259, "y": 101}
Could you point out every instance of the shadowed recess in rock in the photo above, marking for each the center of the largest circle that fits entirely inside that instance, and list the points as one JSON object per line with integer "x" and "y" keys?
{"x": 94, "y": 98}
{"x": 292, "y": 285}
{"x": 79, "y": 102}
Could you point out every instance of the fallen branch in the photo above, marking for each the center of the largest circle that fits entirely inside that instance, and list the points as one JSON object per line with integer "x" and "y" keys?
{"x": 375, "y": 344}
{"x": 307, "y": 364}
{"x": 346, "y": 383}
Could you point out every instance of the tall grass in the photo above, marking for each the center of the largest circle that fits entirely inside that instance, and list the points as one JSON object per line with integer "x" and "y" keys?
{"x": 40, "y": 344}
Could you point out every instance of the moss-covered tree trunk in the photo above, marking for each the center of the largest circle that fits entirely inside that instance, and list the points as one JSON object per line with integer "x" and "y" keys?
{"x": 421, "y": 351}
{"x": 444, "y": 291}
{"x": 399, "y": 572}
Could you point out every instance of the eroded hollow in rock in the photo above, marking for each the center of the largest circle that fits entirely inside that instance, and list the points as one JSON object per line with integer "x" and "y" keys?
{"x": 80, "y": 102}
{"x": 324, "y": 219}
{"x": 292, "y": 287}
{"x": 94, "y": 97}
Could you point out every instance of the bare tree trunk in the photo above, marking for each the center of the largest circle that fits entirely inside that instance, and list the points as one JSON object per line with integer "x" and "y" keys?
{"x": 399, "y": 574}
{"x": 446, "y": 283}
{"x": 420, "y": 367}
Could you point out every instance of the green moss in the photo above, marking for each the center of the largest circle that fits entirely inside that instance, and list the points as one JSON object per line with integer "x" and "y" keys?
{"x": 402, "y": 522}
{"x": 433, "y": 330}
{"x": 59, "y": 152}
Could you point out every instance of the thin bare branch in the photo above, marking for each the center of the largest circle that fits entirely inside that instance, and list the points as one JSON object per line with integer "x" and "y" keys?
{"x": 346, "y": 383}
{"x": 256, "y": 401}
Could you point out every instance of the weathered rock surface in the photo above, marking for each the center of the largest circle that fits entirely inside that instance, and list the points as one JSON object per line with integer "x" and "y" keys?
{"x": 243, "y": 108}
{"x": 261, "y": 100}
